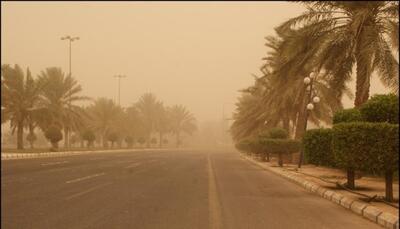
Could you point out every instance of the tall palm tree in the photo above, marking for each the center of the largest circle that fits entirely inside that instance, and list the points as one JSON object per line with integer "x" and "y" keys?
{"x": 104, "y": 114}
{"x": 148, "y": 107}
{"x": 162, "y": 123}
{"x": 182, "y": 121}
{"x": 19, "y": 95}
{"x": 59, "y": 93}
{"x": 344, "y": 34}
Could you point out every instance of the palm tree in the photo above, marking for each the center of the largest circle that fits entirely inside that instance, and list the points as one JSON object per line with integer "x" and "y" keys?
{"x": 341, "y": 35}
{"x": 104, "y": 114}
{"x": 20, "y": 95}
{"x": 162, "y": 123}
{"x": 182, "y": 121}
{"x": 148, "y": 107}
{"x": 58, "y": 95}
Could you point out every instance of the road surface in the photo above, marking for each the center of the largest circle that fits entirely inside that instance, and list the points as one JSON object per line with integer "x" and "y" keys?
{"x": 159, "y": 190}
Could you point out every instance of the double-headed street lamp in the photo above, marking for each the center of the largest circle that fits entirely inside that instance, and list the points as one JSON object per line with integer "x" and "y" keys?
{"x": 312, "y": 99}
{"x": 70, "y": 39}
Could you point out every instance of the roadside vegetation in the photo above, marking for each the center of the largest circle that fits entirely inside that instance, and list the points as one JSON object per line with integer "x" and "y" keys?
{"x": 332, "y": 43}
{"x": 49, "y": 104}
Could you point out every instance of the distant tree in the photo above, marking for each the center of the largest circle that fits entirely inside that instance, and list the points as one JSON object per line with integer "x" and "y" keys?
{"x": 59, "y": 93}
{"x": 112, "y": 137}
{"x": 89, "y": 136}
{"x": 165, "y": 141}
{"x": 129, "y": 141}
{"x": 54, "y": 135}
{"x": 141, "y": 140}
{"x": 154, "y": 141}
{"x": 148, "y": 107}
{"x": 19, "y": 99}
{"x": 31, "y": 138}
{"x": 181, "y": 121}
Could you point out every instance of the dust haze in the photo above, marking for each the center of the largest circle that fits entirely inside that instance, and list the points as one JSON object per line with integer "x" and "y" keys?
{"x": 197, "y": 54}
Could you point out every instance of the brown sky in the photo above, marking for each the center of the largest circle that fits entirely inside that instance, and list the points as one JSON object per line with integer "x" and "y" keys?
{"x": 193, "y": 53}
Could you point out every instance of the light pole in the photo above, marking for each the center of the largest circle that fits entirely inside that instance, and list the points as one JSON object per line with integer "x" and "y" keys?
{"x": 119, "y": 87}
{"x": 311, "y": 100}
{"x": 70, "y": 39}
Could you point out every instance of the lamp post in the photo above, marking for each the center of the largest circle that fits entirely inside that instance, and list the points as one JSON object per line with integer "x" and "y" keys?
{"x": 119, "y": 87}
{"x": 70, "y": 39}
{"x": 311, "y": 100}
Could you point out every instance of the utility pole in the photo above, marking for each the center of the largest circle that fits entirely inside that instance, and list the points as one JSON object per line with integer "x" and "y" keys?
{"x": 119, "y": 87}
{"x": 67, "y": 127}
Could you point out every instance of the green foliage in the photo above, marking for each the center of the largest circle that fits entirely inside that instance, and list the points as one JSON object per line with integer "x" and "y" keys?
{"x": 317, "y": 145}
{"x": 129, "y": 139}
{"x": 53, "y": 134}
{"x": 113, "y": 136}
{"x": 278, "y": 133}
{"x": 371, "y": 147}
{"x": 280, "y": 146}
{"x": 141, "y": 140}
{"x": 381, "y": 108}
{"x": 31, "y": 137}
{"x": 347, "y": 115}
{"x": 243, "y": 145}
{"x": 88, "y": 135}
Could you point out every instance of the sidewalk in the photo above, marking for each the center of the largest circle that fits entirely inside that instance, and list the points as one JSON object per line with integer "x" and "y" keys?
{"x": 377, "y": 212}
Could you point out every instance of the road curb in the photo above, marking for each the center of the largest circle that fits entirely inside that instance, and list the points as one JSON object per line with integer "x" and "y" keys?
{"x": 385, "y": 219}
{"x": 16, "y": 156}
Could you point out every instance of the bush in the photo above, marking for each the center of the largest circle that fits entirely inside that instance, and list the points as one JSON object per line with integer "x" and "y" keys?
{"x": 141, "y": 140}
{"x": 317, "y": 145}
{"x": 278, "y": 133}
{"x": 31, "y": 138}
{"x": 243, "y": 145}
{"x": 165, "y": 141}
{"x": 280, "y": 147}
{"x": 347, "y": 115}
{"x": 54, "y": 135}
{"x": 381, "y": 108}
{"x": 153, "y": 141}
{"x": 88, "y": 136}
{"x": 112, "y": 137}
{"x": 129, "y": 141}
{"x": 370, "y": 147}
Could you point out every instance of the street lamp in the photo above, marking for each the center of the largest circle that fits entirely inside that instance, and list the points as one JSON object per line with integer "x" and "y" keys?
{"x": 70, "y": 39}
{"x": 119, "y": 87}
{"x": 311, "y": 100}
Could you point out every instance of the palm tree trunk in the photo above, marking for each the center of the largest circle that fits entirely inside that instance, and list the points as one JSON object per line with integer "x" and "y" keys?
{"x": 363, "y": 74}
{"x": 177, "y": 139}
{"x": 389, "y": 186}
{"x": 66, "y": 139}
{"x": 160, "y": 139}
{"x": 286, "y": 123}
{"x": 20, "y": 135}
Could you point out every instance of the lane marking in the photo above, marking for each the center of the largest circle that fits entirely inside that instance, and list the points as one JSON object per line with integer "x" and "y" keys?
{"x": 132, "y": 165}
{"x": 84, "y": 178}
{"x": 87, "y": 191}
{"x": 55, "y": 163}
{"x": 214, "y": 207}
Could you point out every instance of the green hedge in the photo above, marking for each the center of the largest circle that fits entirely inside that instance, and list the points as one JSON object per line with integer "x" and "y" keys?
{"x": 347, "y": 115}
{"x": 370, "y": 147}
{"x": 317, "y": 145}
{"x": 381, "y": 108}
{"x": 278, "y": 133}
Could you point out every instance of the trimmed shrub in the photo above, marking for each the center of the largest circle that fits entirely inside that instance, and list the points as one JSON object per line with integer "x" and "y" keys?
{"x": 129, "y": 141}
{"x": 153, "y": 141}
{"x": 347, "y": 115}
{"x": 317, "y": 146}
{"x": 89, "y": 136}
{"x": 31, "y": 138}
{"x": 370, "y": 147}
{"x": 381, "y": 108}
{"x": 278, "y": 133}
{"x": 141, "y": 140}
{"x": 54, "y": 135}
{"x": 280, "y": 147}
{"x": 243, "y": 145}
{"x": 112, "y": 137}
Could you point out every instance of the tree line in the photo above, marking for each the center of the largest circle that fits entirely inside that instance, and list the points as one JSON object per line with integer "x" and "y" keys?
{"x": 49, "y": 102}
{"x": 333, "y": 40}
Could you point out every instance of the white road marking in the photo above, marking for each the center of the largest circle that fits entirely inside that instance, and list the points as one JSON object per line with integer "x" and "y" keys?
{"x": 214, "y": 208}
{"x": 55, "y": 163}
{"x": 84, "y": 178}
{"x": 133, "y": 165}
{"x": 87, "y": 191}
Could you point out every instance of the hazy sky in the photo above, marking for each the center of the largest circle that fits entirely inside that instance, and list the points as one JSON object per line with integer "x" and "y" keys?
{"x": 198, "y": 54}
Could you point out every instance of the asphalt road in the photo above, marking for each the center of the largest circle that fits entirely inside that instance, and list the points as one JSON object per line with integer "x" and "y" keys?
{"x": 162, "y": 190}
